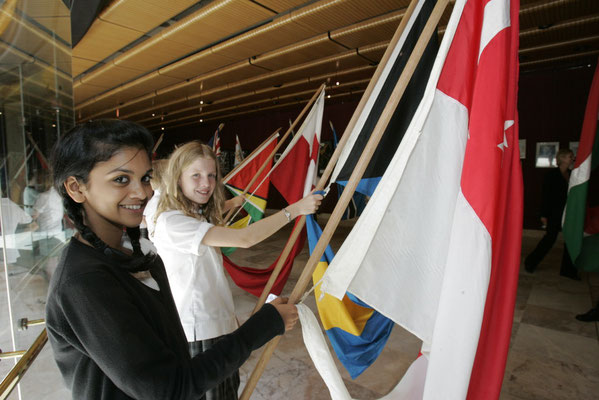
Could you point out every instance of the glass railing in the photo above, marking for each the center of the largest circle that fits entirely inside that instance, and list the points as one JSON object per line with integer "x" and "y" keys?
{"x": 36, "y": 108}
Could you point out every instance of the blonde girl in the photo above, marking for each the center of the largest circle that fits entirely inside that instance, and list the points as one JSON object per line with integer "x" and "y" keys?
{"x": 189, "y": 230}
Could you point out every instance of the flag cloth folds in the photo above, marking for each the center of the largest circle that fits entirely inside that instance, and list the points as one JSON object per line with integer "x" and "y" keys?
{"x": 437, "y": 248}
{"x": 256, "y": 196}
{"x": 258, "y": 193}
{"x": 238, "y": 152}
{"x": 293, "y": 176}
{"x": 357, "y": 332}
{"x": 215, "y": 142}
{"x": 295, "y": 173}
{"x": 379, "y": 97}
{"x": 581, "y": 216}
{"x": 358, "y": 201}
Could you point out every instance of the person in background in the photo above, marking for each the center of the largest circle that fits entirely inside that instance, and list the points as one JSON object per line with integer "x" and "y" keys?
{"x": 555, "y": 193}
{"x": 589, "y": 316}
{"x": 47, "y": 214}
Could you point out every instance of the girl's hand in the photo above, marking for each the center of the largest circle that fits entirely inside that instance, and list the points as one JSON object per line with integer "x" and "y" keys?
{"x": 288, "y": 312}
{"x": 237, "y": 201}
{"x": 307, "y": 205}
{"x": 234, "y": 202}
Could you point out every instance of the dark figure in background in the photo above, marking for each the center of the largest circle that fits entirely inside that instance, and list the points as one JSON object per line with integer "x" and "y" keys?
{"x": 555, "y": 193}
{"x": 589, "y": 316}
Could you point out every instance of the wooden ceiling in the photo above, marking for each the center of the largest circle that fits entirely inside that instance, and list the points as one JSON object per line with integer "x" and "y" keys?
{"x": 172, "y": 63}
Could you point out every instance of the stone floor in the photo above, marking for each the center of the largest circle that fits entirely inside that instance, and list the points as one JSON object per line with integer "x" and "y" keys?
{"x": 552, "y": 355}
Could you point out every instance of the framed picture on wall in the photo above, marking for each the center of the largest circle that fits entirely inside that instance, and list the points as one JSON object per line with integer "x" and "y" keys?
{"x": 522, "y": 143}
{"x": 546, "y": 152}
{"x": 574, "y": 147}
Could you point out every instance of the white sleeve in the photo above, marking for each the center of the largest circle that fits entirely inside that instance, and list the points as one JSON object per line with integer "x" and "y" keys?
{"x": 181, "y": 232}
{"x": 41, "y": 202}
{"x": 21, "y": 216}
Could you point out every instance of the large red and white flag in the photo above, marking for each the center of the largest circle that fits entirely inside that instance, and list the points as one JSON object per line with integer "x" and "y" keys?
{"x": 437, "y": 248}
{"x": 294, "y": 174}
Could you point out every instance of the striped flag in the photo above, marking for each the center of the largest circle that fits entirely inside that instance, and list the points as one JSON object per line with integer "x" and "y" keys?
{"x": 256, "y": 196}
{"x": 357, "y": 332}
{"x": 437, "y": 248}
{"x": 238, "y": 152}
{"x": 216, "y": 142}
{"x": 581, "y": 216}
{"x": 379, "y": 97}
{"x": 293, "y": 176}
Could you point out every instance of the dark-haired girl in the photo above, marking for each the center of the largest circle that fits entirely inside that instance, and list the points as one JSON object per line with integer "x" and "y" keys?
{"x": 110, "y": 316}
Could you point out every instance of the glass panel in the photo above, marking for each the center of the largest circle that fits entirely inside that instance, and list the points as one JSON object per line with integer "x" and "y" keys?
{"x": 36, "y": 108}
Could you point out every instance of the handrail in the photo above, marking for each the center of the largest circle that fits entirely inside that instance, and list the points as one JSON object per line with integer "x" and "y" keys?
{"x": 16, "y": 373}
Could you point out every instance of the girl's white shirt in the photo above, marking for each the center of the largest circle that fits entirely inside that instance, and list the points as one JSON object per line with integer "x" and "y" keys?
{"x": 196, "y": 276}
{"x": 150, "y": 211}
{"x": 50, "y": 212}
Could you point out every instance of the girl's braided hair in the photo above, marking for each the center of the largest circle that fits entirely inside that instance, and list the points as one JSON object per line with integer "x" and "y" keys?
{"x": 77, "y": 153}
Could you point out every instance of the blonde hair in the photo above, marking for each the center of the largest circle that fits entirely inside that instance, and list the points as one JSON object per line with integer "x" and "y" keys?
{"x": 172, "y": 197}
{"x": 158, "y": 170}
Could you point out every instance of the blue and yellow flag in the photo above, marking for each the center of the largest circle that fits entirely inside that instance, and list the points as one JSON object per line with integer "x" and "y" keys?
{"x": 357, "y": 332}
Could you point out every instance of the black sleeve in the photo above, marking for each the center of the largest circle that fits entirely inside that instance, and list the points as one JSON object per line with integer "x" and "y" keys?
{"x": 548, "y": 194}
{"x": 115, "y": 335}
{"x": 237, "y": 346}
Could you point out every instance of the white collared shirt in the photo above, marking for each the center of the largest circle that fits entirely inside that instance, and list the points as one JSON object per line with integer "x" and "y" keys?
{"x": 196, "y": 276}
{"x": 150, "y": 211}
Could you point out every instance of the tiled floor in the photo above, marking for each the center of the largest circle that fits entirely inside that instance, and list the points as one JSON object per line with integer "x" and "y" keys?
{"x": 552, "y": 355}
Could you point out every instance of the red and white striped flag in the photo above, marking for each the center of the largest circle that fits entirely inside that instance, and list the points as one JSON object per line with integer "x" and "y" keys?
{"x": 216, "y": 142}
{"x": 437, "y": 248}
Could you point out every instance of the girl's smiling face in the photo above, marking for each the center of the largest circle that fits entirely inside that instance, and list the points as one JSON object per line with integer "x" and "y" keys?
{"x": 198, "y": 180}
{"x": 116, "y": 193}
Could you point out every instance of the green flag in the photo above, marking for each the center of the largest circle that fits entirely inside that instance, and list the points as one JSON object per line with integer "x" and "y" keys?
{"x": 581, "y": 216}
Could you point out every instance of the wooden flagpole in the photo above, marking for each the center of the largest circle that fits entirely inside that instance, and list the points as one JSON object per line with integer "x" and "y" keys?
{"x": 285, "y": 136}
{"x": 157, "y": 143}
{"x": 356, "y": 175}
{"x": 27, "y": 156}
{"x": 249, "y": 157}
{"x": 34, "y": 143}
{"x": 337, "y": 153}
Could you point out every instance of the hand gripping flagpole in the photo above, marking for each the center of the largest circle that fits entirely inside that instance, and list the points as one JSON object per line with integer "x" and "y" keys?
{"x": 285, "y": 136}
{"x": 356, "y": 175}
{"x": 37, "y": 149}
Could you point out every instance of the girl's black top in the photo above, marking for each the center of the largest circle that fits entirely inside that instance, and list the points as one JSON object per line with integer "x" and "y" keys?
{"x": 115, "y": 338}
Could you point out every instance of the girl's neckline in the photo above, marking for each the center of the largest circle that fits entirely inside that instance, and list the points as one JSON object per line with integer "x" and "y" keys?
{"x": 81, "y": 240}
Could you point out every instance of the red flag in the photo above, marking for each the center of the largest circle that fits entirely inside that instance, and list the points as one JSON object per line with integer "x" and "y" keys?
{"x": 495, "y": 192}
{"x": 293, "y": 176}
{"x": 443, "y": 229}
{"x": 296, "y": 170}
